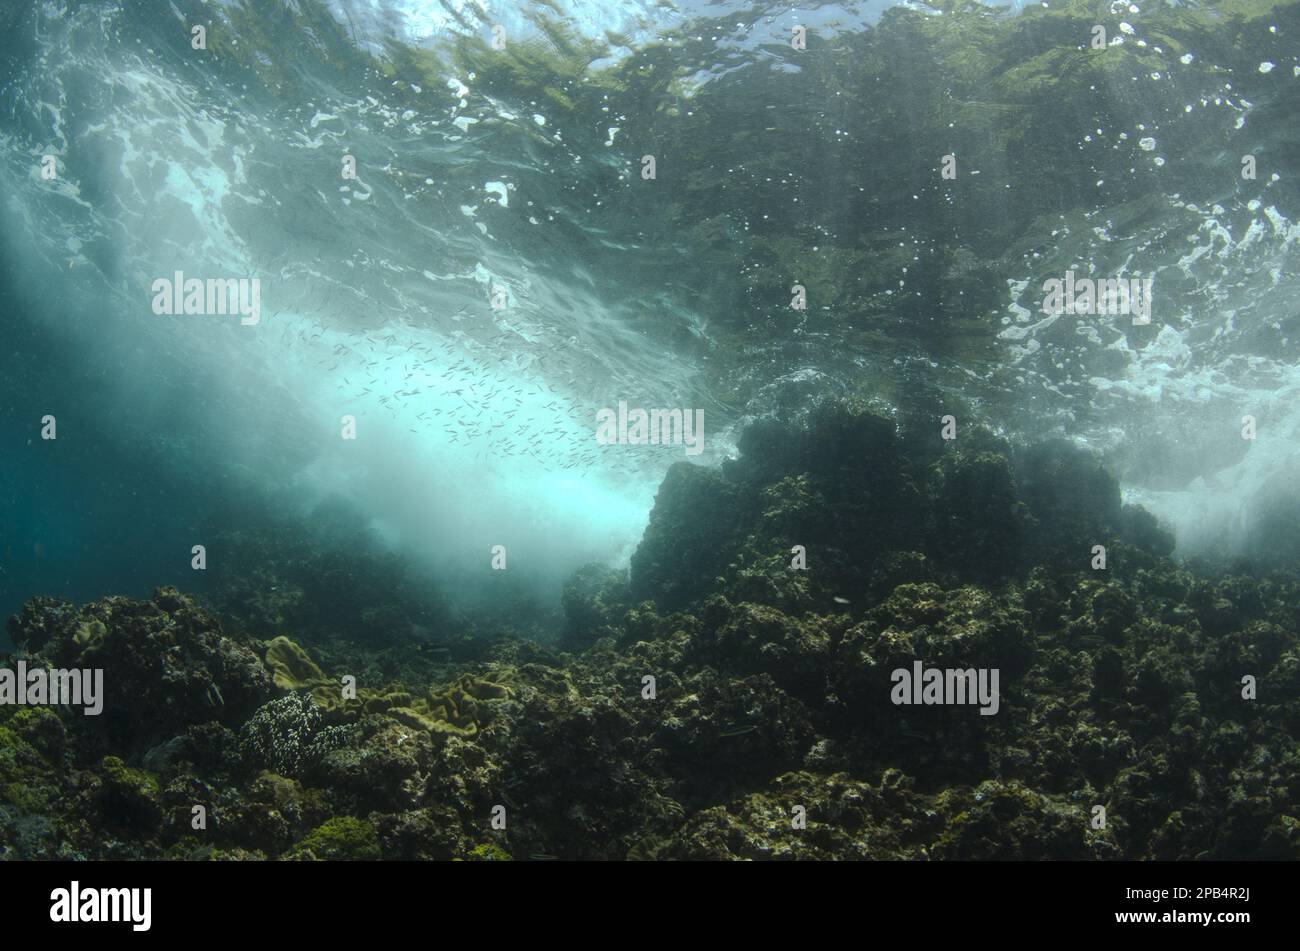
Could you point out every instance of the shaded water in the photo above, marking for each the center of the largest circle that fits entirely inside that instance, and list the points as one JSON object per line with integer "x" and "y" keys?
{"x": 520, "y": 171}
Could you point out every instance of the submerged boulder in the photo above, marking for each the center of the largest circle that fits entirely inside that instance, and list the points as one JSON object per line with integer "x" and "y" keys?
{"x": 695, "y": 525}
{"x": 834, "y": 508}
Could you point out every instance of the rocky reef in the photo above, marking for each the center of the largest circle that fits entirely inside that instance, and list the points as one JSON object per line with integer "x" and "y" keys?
{"x": 728, "y": 697}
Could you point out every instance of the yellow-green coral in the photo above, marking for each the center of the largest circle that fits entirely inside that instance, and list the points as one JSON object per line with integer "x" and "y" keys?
{"x": 89, "y": 636}
{"x": 456, "y": 708}
{"x": 291, "y": 668}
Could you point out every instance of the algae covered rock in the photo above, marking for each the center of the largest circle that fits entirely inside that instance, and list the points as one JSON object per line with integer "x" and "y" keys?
{"x": 167, "y": 664}
{"x": 34, "y": 782}
{"x": 868, "y": 509}
{"x": 128, "y": 798}
{"x": 754, "y": 638}
{"x": 800, "y": 816}
{"x": 692, "y": 528}
{"x": 962, "y": 628}
{"x": 1073, "y": 498}
{"x": 594, "y": 599}
{"x": 342, "y": 838}
{"x": 978, "y": 524}
{"x": 999, "y": 820}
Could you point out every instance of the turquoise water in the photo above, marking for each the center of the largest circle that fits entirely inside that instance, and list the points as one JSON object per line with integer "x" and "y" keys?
{"x": 518, "y": 173}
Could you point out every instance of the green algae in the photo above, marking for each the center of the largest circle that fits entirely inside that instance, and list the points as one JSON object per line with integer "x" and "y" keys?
{"x": 489, "y": 852}
{"x": 343, "y": 838}
{"x": 458, "y": 708}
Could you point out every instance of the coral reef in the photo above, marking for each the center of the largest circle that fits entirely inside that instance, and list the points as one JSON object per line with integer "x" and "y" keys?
{"x": 720, "y": 700}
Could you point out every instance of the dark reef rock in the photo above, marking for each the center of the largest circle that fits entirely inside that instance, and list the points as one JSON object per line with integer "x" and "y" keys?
{"x": 167, "y": 664}
{"x": 868, "y": 509}
{"x": 594, "y": 600}
{"x": 685, "y": 548}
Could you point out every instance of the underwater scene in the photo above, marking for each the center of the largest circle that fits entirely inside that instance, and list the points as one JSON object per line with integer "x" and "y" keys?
{"x": 471, "y": 430}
